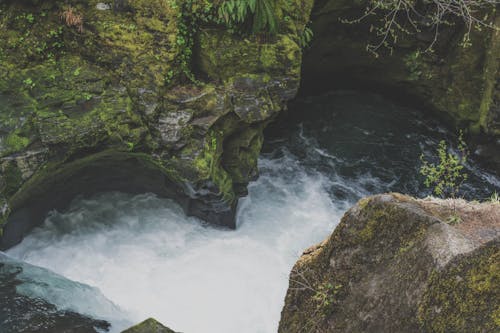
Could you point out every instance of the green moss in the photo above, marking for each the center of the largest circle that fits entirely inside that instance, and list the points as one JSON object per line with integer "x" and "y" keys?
{"x": 363, "y": 202}
{"x": 10, "y": 178}
{"x": 380, "y": 219}
{"x": 463, "y": 297}
{"x": 15, "y": 142}
{"x": 490, "y": 77}
{"x": 221, "y": 54}
{"x": 242, "y": 152}
{"x": 209, "y": 165}
{"x": 101, "y": 90}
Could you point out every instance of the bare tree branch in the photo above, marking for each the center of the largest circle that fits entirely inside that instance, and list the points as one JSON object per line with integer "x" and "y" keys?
{"x": 394, "y": 16}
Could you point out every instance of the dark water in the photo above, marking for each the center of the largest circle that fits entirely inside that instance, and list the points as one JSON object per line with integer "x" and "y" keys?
{"x": 366, "y": 144}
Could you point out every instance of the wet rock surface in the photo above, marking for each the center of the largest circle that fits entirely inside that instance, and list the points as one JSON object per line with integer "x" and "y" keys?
{"x": 23, "y": 314}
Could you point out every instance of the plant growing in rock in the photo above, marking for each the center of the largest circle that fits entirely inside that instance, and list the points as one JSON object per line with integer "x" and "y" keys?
{"x": 446, "y": 176}
{"x": 396, "y": 17}
{"x": 306, "y": 37}
{"x": 324, "y": 296}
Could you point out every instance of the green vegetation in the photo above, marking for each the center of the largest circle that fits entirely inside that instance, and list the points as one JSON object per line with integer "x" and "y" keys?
{"x": 257, "y": 14}
{"x": 238, "y": 16}
{"x": 325, "y": 295}
{"x": 306, "y": 37}
{"x": 447, "y": 175}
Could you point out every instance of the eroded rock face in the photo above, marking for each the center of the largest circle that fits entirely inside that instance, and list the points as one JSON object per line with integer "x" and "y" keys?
{"x": 109, "y": 106}
{"x": 394, "y": 265}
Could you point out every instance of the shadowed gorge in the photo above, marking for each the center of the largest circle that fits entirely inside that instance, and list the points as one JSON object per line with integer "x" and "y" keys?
{"x": 459, "y": 84}
{"x": 172, "y": 159}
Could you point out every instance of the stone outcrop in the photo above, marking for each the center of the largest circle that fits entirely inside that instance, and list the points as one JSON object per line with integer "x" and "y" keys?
{"x": 138, "y": 97}
{"x": 394, "y": 264}
{"x": 149, "y": 326}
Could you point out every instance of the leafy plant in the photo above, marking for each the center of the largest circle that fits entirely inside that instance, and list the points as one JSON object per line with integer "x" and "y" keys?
{"x": 28, "y": 83}
{"x": 306, "y": 37}
{"x": 446, "y": 176}
{"x": 325, "y": 295}
{"x": 259, "y": 14}
{"x": 30, "y": 18}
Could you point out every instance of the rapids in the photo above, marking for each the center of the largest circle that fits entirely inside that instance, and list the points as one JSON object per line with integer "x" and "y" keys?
{"x": 150, "y": 260}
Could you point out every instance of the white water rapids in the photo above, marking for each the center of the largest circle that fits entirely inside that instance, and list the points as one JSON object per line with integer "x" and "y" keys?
{"x": 148, "y": 258}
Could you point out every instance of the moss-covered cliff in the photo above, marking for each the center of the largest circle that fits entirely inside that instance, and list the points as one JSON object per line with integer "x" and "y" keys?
{"x": 393, "y": 265}
{"x": 138, "y": 96}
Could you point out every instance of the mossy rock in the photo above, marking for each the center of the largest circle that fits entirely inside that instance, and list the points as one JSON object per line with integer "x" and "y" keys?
{"x": 149, "y": 326}
{"x": 394, "y": 265}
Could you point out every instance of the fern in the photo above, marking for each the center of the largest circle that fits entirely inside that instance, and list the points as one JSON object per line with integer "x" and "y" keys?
{"x": 264, "y": 18}
{"x": 257, "y": 14}
{"x": 306, "y": 37}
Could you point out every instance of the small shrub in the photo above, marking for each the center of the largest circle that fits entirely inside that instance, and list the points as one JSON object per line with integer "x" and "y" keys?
{"x": 447, "y": 175}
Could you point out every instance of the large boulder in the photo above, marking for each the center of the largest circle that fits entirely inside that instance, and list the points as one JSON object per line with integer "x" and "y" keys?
{"x": 394, "y": 264}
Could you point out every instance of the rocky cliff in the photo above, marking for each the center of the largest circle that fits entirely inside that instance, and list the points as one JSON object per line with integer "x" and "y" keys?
{"x": 395, "y": 265}
{"x": 158, "y": 96}
{"x": 135, "y": 96}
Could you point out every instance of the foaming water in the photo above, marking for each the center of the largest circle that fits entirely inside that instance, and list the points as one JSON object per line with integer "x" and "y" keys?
{"x": 146, "y": 256}
{"x": 149, "y": 259}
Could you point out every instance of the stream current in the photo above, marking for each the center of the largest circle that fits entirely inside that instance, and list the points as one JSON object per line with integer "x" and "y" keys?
{"x": 124, "y": 258}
